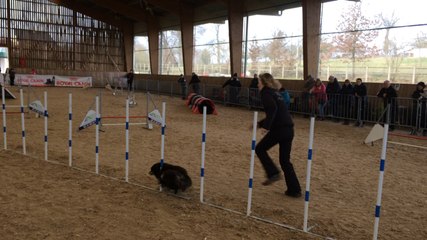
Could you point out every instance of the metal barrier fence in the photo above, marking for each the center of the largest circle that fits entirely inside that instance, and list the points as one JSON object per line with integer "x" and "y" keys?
{"x": 405, "y": 112}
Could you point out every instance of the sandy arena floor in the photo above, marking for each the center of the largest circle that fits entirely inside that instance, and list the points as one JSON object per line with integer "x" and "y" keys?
{"x": 41, "y": 200}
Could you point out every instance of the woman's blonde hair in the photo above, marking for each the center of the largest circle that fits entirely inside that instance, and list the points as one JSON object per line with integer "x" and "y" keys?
{"x": 267, "y": 80}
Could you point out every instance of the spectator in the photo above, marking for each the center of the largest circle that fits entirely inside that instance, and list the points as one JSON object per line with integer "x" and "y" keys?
{"x": 306, "y": 97}
{"x": 333, "y": 89}
{"x": 195, "y": 83}
{"x": 253, "y": 90}
{"x": 130, "y": 77}
{"x": 12, "y": 76}
{"x": 183, "y": 83}
{"x": 286, "y": 96}
{"x": 320, "y": 98}
{"x": 389, "y": 95}
{"x": 347, "y": 93}
{"x": 234, "y": 88}
{"x": 360, "y": 92}
{"x": 419, "y": 107}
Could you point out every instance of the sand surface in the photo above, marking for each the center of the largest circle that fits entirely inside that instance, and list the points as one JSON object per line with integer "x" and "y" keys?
{"x": 42, "y": 200}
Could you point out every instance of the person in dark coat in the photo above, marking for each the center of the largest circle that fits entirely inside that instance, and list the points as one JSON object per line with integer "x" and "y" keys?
{"x": 195, "y": 83}
{"x": 333, "y": 89}
{"x": 419, "y": 109}
{"x": 360, "y": 93}
{"x": 306, "y": 102}
{"x": 12, "y": 76}
{"x": 183, "y": 83}
{"x": 347, "y": 94}
{"x": 253, "y": 90}
{"x": 277, "y": 128}
{"x": 389, "y": 96}
{"x": 130, "y": 77}
{"x": 234, "y": 88}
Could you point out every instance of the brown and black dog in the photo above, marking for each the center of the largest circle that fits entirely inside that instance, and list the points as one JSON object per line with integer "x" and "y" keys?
{"x": 171, "y": 176}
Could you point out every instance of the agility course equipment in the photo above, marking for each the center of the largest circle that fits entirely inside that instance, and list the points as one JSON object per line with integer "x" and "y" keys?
{"x": 251, "y": 171}
{"x": 45, "y": 127}
{"x": 4, "y": 117}
{"x": 97, "y": 119}
{"x": 24, "y": 148}
{"x": 70, "y": 129}
{"x": 197, "y": 102}
{"x": 8, "y": 94}
{"x": 308, "y": 176}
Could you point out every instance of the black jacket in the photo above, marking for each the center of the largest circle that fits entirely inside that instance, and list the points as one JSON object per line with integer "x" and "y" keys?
{"x": 347, "y": 90}
{"x": 194, "y": 79}
{"x": 333, "y": 87}
{"x": 360, "y": 90}
{"x": 277, "y": 114}
{"x": 233, "y": 82}
{"x": 254, "y": 83}
{"x": 391, "y": 94}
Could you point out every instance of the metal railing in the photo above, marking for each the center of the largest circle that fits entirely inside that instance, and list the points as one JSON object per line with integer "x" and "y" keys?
{"x": 405, "y": 112}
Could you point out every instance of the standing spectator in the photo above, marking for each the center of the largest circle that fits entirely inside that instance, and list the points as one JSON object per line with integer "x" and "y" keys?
{"x": 183, "y": 83}
{"x": 333, "y": 89}
{"x": 286, "y": 96}
{"x": 319, "y": 93}
{"x": 277, "y": 127}
{"x": 253, "y": 90}
{"x": 389, "y": 95}
{"x": 234, "y": 88}
{"x": 360, "y": 92}
{"x": 419, "y": 107}
{"x": 195, "y": 83}
{"x": 347, "y": 93}
{"x": 306, "y": 97}
{"x": 33, "y": 71}
{"x": 12, "y": 76}
{"x": 130, "y": 77}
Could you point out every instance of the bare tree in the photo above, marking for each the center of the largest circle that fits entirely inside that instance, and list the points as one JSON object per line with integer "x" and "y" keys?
{"x": 353, "y": 42}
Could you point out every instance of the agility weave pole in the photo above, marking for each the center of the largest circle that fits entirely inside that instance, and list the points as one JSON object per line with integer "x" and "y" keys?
{"x": 4, "y": 118}
{"x": 70, "y": 129}
{"x": 97, "y": 136}
{"x": 308, "y": 176}
{"x": 251, "y": 171}
{"x": 380, "y": 181}
{"x": 127, "y": 142}
{"x": 45, "y": 127}
{"x": 24, "y": 147}
{"x": 162, "y": 145}
{"x": 202, "y": 168}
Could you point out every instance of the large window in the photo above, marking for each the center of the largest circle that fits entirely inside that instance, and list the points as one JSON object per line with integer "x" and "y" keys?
{"x": 212, "y": 52}
{"x": 171, "y": 62}
{"x": 274, "y": 44}
{"x": 141, "y": 55}
{"x": 374, "y": 40}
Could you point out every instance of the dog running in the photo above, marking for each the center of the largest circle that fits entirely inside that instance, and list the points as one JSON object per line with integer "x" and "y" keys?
{"x": 171, "y": 176}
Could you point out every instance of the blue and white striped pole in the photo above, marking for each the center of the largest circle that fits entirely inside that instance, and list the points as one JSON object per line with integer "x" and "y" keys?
{"x": 45, "y": 127}
{"x": 380, "y": 181}
{"x": 162, "y": 146}
{"x": 70, "y": 129}
{"x": 127, "y": 142}
{"x": 202, "y": 168}
{"x": 24, "y": 147}
{"x": 3, "y": 101}
{"x": 97, "y": 136}
{"x": 308, "y": 177}
{"x": 251, "y": 171}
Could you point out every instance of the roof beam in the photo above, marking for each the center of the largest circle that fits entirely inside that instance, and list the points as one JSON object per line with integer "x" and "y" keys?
{"x": 118, "y": 7}
{"x": 171, "y": 6}
{"x": 78, "y": 7}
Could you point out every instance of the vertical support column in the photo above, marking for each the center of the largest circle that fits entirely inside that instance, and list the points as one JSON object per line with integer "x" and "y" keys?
{"x": 311, "y": 10}
{"x": 235, "y": 31}
{"x": 153, "y": 42}
{"x": 187, "y": 37}
{"x": 128, "y": 46}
